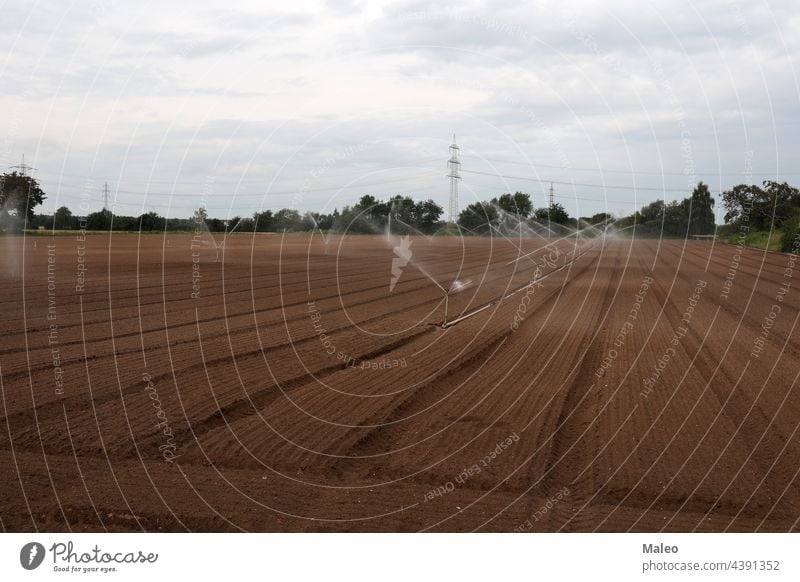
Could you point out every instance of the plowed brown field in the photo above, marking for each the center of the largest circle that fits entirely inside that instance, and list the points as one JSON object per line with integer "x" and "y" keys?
{"x": 634, "y": 386}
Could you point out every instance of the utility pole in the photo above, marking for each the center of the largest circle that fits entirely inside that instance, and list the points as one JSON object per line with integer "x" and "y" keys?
{"x": 455, "y": 175}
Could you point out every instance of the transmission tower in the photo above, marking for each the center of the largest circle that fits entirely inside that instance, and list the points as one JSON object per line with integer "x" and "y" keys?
{"x": 455, "y": 175}
{"x": 23, "y": 167}
{"x": 105, "y": 196}
{"x": 551, "y": 194}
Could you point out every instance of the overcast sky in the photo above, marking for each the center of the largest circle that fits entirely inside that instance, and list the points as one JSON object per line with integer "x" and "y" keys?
{"x": 239, "y": 107}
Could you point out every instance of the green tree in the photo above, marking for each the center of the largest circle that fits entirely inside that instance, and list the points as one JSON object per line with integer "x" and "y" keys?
{"x": 150, "y": 221}
{"x": 653, "y": 212}
{"x": 701, "y": 211}
{"x": 369, "y": 207}
{"x": 791, "y": 233}
{"x": 518, "y": 204}
{"x": 739, "y": 200}
{"x": 477, "y": 217}
{"x": 19, "y": 195}
{"x": 45, "y": 220}
{"x": 403, "y": 211}
{"x": 763, "y": 207}
{"x": 782, "y": 201}
{"x": 130, "y": 223}
{"x": 100, "y": 220}
{"x": 600, "y": 217}
{"x": 307, "y": 222}
{"x": 402, "y": 207}
{"x": 324, "y": 222}
{"x": 427, "y": 216}
{"x": 555, "y": 213}
{"x": 676, "y": 218}
{"x": 216, "y": 225}
{"x": 288, "y": 219}
{"x": 264, "y": 221}
{"x": 246, "y": 224}
{"x": 62, "y": 219}
{"x": 342, "y": 221}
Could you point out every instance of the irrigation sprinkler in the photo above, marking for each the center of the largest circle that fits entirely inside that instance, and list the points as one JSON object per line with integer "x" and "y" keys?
{"x": 457, "y": 286}
{"x": 221, "y": 245}
{"x": 325, "y": 239}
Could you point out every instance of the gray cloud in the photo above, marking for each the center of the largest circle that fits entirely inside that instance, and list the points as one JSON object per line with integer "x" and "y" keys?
{"x": 164, "y": 99}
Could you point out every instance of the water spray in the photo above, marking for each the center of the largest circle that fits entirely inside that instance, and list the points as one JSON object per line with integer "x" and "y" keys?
{"x": 457, "y": 286}
{"x": 416, "y": 230}
{"x": 325, "y": 239}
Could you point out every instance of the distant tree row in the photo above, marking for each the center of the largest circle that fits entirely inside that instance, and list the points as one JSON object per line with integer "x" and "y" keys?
{"x": 771, "y": 206}
{"x": 691, "y": 216}
{"x": 479, "y": 217}
{"x": 369, "y": 215}
{"x": 372, "y": 216}
{"x": 748, "y": 207}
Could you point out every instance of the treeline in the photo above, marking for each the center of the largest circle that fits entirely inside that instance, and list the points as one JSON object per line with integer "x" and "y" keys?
{"x": 482, "y": 217}
{"x": 691, "y": 216}
{"x": 368, "y": 216}
{"x": 266, "y": 221}
{"x": 749, "y": 208}
{"x": 371, "y": 216}
{"x": 773, "y": 206}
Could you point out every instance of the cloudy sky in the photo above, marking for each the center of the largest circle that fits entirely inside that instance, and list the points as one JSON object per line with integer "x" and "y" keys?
{"x": 239, "y": 107}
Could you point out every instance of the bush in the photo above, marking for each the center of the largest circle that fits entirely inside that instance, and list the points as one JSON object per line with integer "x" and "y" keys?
{"x": 791, "y": 233}
{"x": 727, "y": 230}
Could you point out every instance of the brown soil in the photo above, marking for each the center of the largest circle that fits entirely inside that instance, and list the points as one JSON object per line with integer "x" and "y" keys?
{"x": 558, "y": 418}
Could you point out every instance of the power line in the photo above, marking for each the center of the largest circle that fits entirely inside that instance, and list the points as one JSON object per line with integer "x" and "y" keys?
{"x": 632, "y": 172}
{"x": 582, "y": 184}
{"x": 291, "y": 192}
{"x": 230, "y": 197}
{"x": 259, "y": 194}
{"x": 214, "y": 182}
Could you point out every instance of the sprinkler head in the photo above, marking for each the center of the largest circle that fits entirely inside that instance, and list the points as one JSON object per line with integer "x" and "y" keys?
{"x": 458, "y": 286}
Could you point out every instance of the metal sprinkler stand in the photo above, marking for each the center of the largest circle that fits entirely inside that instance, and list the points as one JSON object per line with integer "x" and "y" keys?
{"x": 446, "y": 302}
{"x": 455, "y": 287}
